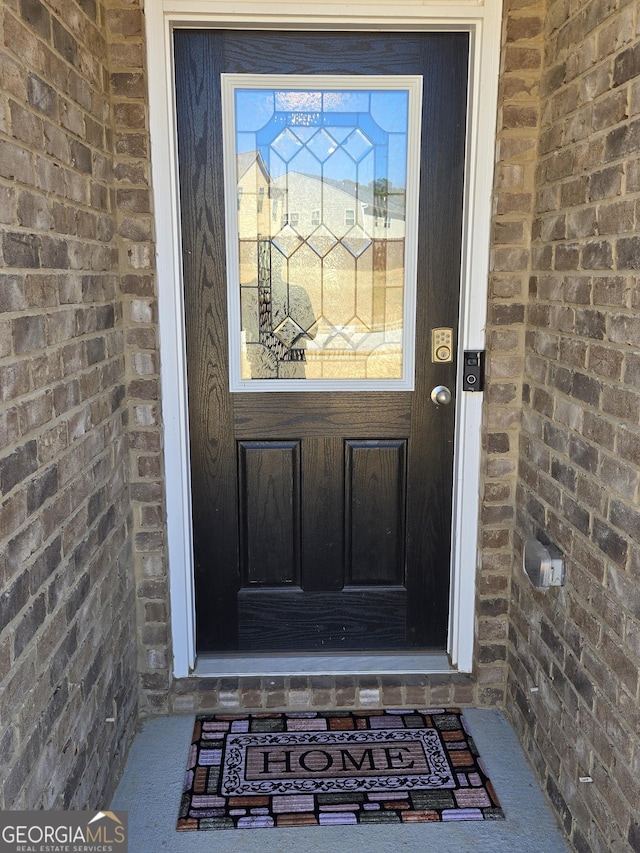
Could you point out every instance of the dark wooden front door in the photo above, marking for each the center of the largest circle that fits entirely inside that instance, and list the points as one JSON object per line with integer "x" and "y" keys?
{"x": 321, "y": 520}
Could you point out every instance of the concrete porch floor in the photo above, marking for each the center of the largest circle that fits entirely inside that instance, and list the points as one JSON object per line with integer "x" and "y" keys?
{"x": 151, "y": 786}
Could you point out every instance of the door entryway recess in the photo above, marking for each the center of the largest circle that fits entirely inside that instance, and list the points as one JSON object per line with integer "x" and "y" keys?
{"x": 323, "y": 491}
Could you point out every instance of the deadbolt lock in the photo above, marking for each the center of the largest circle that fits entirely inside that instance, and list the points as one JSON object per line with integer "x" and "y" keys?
{"x": 441, "y": 345}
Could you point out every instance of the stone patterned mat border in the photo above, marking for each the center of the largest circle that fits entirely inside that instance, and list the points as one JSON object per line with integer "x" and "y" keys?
{"x": 463, "y": 792}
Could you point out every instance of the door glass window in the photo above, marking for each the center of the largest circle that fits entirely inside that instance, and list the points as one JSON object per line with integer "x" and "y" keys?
{"x": 321, "y": 279}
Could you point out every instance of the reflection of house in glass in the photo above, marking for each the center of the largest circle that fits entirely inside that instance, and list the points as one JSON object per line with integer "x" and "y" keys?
{"x": 321, "y": 275}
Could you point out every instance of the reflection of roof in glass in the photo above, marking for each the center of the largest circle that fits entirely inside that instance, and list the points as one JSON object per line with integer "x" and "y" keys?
{"x": 246, "y": 160}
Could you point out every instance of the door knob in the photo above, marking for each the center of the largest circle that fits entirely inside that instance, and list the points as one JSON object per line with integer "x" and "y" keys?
{"x": 441, "y": 395}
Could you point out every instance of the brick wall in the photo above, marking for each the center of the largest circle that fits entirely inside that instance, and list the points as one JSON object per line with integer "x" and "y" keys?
{"x": 67, "y": 653}
{"x": 513, "y": 206}
{"x": 132, "y": 173}
{"x": 575, "y": 652}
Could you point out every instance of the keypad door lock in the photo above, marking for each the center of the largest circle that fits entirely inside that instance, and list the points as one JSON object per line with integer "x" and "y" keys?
{"x": 441, "y": 346}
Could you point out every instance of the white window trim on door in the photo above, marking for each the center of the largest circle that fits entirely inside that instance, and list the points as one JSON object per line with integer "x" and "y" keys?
{"x": 482, "y": 19}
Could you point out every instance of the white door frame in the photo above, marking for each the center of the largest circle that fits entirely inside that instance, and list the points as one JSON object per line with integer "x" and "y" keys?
{"x": 483, "y": 22}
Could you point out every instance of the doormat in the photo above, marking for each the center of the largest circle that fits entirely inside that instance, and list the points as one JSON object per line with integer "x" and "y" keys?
{"x": 334, "y": 767}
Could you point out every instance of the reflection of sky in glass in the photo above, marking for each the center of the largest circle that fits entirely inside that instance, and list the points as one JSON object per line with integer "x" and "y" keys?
{"x": 299, "y": 102}
{"x": 262, "y": 115}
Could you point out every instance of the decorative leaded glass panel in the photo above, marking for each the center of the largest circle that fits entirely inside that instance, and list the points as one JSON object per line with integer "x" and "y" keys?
{"x": 323, "y": 173}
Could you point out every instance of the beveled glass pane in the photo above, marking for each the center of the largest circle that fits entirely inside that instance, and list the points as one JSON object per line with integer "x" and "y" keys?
{"x": 321, "y": 273}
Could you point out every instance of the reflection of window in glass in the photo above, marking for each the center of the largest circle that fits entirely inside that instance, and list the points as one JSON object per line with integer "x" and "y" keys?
{"x": 292, "y": 219}
{"x": 260, "y": 199}
{"x": 349, "y": 216}
{"x": 315, "y": 218}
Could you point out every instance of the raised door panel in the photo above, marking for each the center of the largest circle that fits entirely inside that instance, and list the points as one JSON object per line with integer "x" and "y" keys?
{"x": 375, "y": 488}
{"x": 269, "y": 510}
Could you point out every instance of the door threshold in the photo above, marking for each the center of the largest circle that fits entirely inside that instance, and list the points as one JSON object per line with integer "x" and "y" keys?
{"x": 356, "y": 663}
